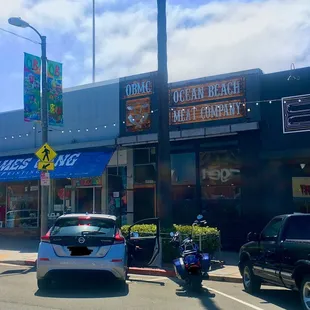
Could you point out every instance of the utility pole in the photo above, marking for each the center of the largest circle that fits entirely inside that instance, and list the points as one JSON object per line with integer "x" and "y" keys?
{"x": 94, "y": 42}
{"x": 18, "y": 22}
{"x": 44, "y": 117}
{"x": 164, "y": 207}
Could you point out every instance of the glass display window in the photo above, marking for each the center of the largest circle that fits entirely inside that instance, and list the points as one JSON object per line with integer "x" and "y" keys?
{"x": 22, "y": 205}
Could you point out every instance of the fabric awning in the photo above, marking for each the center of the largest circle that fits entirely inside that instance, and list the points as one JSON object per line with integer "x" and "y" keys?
{"x": 73, "y": 164}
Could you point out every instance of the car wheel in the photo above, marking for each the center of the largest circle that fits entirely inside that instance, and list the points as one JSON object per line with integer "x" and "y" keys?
{"x": 43, "y": 284}
{"x": 305, "y": 293}
{"x": 251, "y": 283}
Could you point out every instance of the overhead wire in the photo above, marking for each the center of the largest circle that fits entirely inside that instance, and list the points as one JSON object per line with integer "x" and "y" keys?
{"x": 22, "y": 37}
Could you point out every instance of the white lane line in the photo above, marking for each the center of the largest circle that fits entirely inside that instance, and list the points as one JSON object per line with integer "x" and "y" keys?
{"x": 233, "y": 298}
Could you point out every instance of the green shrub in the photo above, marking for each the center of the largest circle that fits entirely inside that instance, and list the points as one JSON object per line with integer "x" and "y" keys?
{"x": 210, "y": 237}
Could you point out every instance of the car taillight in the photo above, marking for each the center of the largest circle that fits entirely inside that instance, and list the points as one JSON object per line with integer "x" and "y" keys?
{"x": 46, "y": 238}
{"x": 118, "y": 238}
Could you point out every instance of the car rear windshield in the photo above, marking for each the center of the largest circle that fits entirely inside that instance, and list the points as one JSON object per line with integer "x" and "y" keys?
{"x": 77, "y": 226}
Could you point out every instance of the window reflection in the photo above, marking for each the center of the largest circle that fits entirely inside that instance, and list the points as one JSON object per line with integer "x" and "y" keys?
{"x": 220, "y": 175}
{"x": 183, "y": 168}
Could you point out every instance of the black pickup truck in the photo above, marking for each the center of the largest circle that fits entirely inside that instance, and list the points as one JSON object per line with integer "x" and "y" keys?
{"x": 279, "y": 255}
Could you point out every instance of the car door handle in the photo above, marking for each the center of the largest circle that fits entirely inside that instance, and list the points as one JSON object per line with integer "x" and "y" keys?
{"x": 269, "y": 253}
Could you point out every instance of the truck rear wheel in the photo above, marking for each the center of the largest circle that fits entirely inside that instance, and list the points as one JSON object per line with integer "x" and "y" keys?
{"x": 251, "y": 283}
{"x": 305, "y": 293}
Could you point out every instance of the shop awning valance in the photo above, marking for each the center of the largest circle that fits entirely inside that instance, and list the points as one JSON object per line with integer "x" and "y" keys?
{"x": 73, "y": 164}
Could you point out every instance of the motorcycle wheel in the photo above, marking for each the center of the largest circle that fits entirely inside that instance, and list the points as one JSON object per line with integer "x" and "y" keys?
{"x": 195, "y": 283}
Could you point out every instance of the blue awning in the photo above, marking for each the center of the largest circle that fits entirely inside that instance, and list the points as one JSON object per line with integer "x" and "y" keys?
{"x": 73, "y": 164}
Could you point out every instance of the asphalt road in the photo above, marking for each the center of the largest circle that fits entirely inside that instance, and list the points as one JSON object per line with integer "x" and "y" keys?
{"x": 18, "y": 291}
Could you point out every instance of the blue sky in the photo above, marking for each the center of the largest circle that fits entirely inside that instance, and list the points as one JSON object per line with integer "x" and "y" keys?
{"x": 205, "y": 38}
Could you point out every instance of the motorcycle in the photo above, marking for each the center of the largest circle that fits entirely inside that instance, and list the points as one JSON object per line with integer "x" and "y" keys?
{"x": 192, "y": 266}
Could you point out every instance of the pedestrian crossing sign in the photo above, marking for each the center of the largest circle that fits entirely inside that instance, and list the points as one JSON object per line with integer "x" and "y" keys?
{"x": 46, "y": 166}
{"x": 45, "y": 153}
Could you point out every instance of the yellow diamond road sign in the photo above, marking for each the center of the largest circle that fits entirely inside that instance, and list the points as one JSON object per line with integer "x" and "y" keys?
{"x": 46, "y": 166}
{"x": 46, "y": 154}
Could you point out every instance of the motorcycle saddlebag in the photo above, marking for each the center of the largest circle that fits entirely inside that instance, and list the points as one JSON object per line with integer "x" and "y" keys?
{"x": 179, "y": 268}
{"x": 205, "y": 262}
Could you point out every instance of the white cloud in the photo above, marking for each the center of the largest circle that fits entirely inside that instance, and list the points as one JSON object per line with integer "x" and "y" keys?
{"x": 211, "y": 38}
{"x": 61, "y": 16}
{"x": 223, "y": 37}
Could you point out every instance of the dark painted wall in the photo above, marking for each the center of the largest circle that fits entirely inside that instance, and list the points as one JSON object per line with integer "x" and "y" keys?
{"x": 275, "y": 86}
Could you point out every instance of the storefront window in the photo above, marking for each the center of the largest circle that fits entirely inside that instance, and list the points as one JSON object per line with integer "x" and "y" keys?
{"x": 61, "y": 197}
{"x": 145, "y": 174}
{"x": 301, "y": 194}
{"x": 88, "y": 194}
{"x": 183, "y": 168}
{"x": 220, "y": 187}
{"x": 117, "y": 193}
{"x": 2, "y": 204}
{"x": 220, "y": 175}
{"x": 22, "y": 205}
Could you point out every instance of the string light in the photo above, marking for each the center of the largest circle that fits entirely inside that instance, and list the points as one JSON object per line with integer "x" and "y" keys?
{"x": 96, "y": 128}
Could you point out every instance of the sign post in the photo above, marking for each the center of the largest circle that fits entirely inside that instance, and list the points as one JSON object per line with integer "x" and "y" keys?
{"x": 46, "y": 155}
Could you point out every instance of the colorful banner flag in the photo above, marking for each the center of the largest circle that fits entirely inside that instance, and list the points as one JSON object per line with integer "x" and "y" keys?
{"x": 32, "y": 99}
{"x": 54, "y": 96}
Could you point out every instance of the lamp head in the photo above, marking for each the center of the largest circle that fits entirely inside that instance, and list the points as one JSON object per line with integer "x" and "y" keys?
{"x": 18, "y": 22}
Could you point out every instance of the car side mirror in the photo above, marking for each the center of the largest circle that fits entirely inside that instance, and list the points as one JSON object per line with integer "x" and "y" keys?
{"x": 252, "y": 237}
{"x": 134, "y": 234}
{"x": 199, "y": 217}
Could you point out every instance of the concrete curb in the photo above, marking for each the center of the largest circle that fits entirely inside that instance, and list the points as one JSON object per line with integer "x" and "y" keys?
{"x": 20, "y": 262}
{"x": 141, "y": 271}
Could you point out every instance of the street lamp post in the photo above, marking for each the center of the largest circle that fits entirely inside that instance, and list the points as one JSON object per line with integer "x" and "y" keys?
{"x": 164, "y": 207}
{"x": 18, "y": 22}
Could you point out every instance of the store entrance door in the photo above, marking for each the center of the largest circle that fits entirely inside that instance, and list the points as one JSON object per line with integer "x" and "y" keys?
{"x": 144, "y": 202}
{"x": 88, "y": 199}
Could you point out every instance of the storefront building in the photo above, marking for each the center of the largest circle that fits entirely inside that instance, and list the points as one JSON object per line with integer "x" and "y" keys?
{"x": 285, "y": 135}
{"x": 85, "y": 147}
{"x": 239, "y": 152}
{"x": 215, "y": 143}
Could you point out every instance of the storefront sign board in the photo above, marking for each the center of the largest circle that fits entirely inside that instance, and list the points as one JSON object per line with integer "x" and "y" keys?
{"x": 45, "y": 153}
{"x": 138, "y": 113}
{"x": 296, "y": 114}
{"x": 208, "y": 112}
{"x": 45, "y": 179}
{"x": 301, "y": 187}
{"x": 95, "y": 181}
{"x": 72, "y": 164}
{"x": 137, "y": 96}
{"x": 216, "y": 90}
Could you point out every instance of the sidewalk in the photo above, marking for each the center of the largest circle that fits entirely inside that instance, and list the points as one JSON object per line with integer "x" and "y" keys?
{"x": 25, "y": 253}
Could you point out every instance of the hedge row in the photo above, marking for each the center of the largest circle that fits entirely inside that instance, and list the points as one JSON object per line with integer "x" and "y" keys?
{"x": 210, "y": 237}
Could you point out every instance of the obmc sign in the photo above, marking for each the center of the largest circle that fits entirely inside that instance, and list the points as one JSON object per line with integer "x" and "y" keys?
{"x": 138, "y": 88}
